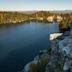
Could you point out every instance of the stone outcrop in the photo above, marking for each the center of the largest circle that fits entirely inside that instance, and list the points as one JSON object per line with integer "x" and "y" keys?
{"x": 58, "y": 56}
{"x": 61, "y": 58}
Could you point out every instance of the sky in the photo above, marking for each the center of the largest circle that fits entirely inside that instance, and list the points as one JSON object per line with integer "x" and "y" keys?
{"x": 29, "y": 5}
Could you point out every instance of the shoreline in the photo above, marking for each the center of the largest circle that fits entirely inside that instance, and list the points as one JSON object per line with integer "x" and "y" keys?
{"x": 62, "y": 30}
{"x": 36, "y": 58}
{"x": 44, "y": 54}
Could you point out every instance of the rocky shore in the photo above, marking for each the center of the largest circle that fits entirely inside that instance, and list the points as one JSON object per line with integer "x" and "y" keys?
{"x": 57, "y": 58}
{"x": 12, "y": 18}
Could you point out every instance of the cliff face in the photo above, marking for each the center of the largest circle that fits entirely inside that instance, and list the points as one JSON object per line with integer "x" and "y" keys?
{"x": 12, "y": 17}
{"x": 41, "y": 16}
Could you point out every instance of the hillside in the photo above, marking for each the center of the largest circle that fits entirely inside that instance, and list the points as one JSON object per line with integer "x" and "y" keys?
{"x": 40, "y": 16}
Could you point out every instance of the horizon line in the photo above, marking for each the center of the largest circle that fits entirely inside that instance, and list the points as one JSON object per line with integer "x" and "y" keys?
{"x": 37, "y": 10}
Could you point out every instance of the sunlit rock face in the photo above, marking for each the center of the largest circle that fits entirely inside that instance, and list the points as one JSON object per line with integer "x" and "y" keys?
{"x": 50, "y": 18}
{"x": 59, "y": 18}
{"x": 55, "y": 35}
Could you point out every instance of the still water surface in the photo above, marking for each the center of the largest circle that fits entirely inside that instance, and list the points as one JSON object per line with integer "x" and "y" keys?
{"x": 21, "y": 43}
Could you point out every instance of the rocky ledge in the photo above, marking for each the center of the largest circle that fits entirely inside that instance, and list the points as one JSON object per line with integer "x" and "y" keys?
{"x": 57, "y": 58}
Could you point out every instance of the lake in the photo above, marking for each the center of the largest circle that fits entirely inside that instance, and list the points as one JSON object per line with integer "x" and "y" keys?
{"x": 19, "y": 44}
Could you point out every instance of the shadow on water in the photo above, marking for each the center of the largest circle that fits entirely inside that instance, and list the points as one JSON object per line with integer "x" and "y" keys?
{"x": 18, "y": 58}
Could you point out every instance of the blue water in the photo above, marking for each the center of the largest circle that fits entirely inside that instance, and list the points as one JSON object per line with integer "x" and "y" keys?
{"x": 21, "y": 43}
